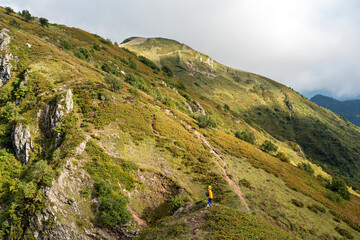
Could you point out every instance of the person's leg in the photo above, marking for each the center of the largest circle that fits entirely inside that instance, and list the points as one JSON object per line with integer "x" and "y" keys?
{"x": 210, "y": 201}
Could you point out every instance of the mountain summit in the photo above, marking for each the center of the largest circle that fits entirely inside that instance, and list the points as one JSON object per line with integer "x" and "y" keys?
{"x": 101, "y": 141}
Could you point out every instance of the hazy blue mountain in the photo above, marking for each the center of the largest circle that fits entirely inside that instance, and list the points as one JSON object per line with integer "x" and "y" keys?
{"x": 350, "y": 109}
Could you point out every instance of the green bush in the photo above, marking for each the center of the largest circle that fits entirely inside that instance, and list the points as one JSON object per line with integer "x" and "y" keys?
{"x": 268, "y": 146}
{"x": 10, "y": 112}
{"x": 66, "y": 44}
{"x": 9, "y": 10}
{"x": 226, "y": 107}
{"x": 344, "y": 232}
{"x": 167, "y": 71}
{"x": 297, "y": 203}
{"x": 85, "y": 192}
{"x": 137, "y": 81}
{"x": 112, "y": 208}
{"x": 306, "y": 167}
{"x": 334, "y": 197}
{"x": 96, "y": 47}
{"x": 106, "y": 68}
{"x": 181, "y": 86}
{"x": 283, "y": 157}
{"x": 83, "y": 54}
{"x": 338, "y": 186}
{"x": 26, "y": 15}
{"x": 204, "y": 121}
{"x": 44, "y": 22}
{"x": 245, "y": 183}
{"x": 176, "y": 202}
{"x": 132, "y": 64}
{"x": 114, "y": 82}
{"x": 14, "y": 23}
{"x": 246, "y": 136}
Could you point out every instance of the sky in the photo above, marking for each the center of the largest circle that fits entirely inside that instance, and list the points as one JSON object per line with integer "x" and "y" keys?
{"x": 312, "y": 46}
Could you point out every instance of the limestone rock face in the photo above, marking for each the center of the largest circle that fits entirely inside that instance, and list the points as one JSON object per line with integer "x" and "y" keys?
{"x": 53, "y": 115}
{"x": 198, "y": 107}
{"x": 21, "y": 140}
{"x": 5, "y": 66}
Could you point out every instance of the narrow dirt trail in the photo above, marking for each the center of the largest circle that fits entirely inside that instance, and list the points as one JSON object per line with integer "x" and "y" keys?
{"x": 138, "y": 219}
{"x": 222, "y": 165}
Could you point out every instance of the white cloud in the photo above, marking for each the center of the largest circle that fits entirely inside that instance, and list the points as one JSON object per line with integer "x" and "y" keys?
{"x": 306, "y": 44}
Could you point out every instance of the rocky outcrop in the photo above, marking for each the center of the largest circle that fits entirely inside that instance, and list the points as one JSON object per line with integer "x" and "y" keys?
{"x": 5, "y": 65}
{"x": 199, "y": 109}
{"x": 21, "y": 140}
{"x": 53, "y": 115}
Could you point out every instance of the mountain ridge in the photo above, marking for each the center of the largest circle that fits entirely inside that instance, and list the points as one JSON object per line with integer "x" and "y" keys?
{"x": 350, "y": 109}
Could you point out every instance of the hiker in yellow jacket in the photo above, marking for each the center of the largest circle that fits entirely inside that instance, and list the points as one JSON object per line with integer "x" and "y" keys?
{"x": 209, "y": 193}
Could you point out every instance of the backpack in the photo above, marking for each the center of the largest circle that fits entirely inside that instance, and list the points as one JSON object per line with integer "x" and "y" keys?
{"x": 207, "y": 193}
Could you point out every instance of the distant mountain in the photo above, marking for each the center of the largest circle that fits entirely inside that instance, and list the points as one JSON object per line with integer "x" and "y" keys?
{"x": 350, "y": 109}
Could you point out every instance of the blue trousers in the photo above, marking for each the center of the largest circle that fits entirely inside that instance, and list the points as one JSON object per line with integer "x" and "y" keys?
{"x": 210, "y": 201}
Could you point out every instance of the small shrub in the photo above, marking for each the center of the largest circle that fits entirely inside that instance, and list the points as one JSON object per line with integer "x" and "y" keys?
{"x": 10, "y": 112}
{"x": 14, "y": 23}
{"x": 167, "y": 71}
{"x": 246, "y": 136}
{"x": 44, "y": 22}
{"x": 226, "y": 107}
{"x": 176, "y": 202}
{"x": 181, "y": 86}
{"x": 132, "y": 64}
{"x": 204, "y": 121}
{"x": 338, "y": 186}
{"x": 66, "y": 44}
{"x": 297, "y": 203}
{"x": 114, "y": 82}
{"x": 85, "y": 192}
{"x": 245, "y": 183}
{"x": 337, "y": 219}
{"x": 83, "y": 54}
{"x": 344, "y": 232}
{"x": 306, "y": 167}
{"x": 96, "y": 47}
{"x": 26, "y": 14}
{"x": 268, "y": 146}
{"x": 106, "y": 68}
{"x": 113, "y": 211}
{"x": 283, "y": 157}
{"x": 9, "y": 10}
{"x": 334, "y": 197}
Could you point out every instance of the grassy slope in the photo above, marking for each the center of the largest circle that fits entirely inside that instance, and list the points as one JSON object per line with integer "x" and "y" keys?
{"x": 144, "y": 143}
{"x": 325, "y": 138}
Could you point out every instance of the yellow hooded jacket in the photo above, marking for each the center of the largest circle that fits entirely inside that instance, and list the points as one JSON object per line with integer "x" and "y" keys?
{"x": 210, "y": 192}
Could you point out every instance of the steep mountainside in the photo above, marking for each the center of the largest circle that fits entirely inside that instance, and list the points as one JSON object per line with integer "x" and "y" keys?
{"x": 99, "y": 142}
{"x": 264, "y": 104}
{"x": 350, "y": 109}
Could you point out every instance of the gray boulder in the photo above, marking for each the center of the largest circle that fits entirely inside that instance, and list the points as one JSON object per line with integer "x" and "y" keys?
{"x": 53, "y": 115}
{"x": 5, "y": 65}
{"x": 21, "y": 140}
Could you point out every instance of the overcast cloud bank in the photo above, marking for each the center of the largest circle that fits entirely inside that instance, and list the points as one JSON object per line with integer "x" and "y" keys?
{"x": 308, "y": 45}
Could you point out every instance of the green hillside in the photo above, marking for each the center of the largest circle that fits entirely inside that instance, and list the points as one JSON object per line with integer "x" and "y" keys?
{"x": 100, "y": 142}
